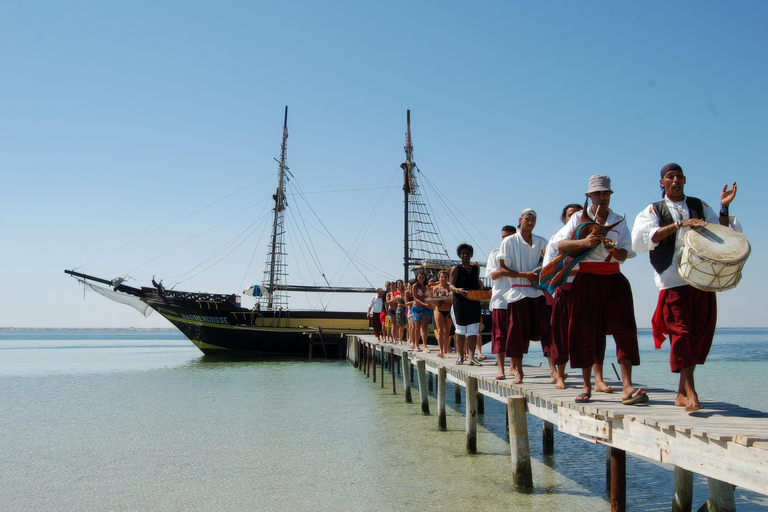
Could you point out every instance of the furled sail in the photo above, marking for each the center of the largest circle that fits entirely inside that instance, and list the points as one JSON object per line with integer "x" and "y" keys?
{"x": 123, "y": 298}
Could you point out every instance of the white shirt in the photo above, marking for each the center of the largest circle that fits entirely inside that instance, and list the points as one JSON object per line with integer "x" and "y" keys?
{"x": 619, "y": 234}
{"x": 647, "y": 224}
{"x": 519, "y": 256}
{"x": 500, "y": 285}
{"x": 375, "y": 305}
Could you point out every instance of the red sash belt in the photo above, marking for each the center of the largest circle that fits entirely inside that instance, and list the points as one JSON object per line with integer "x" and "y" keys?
{"x": 597, "y": 267}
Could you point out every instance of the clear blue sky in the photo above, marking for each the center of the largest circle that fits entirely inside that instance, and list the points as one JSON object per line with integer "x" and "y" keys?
{"x": 119, "y": 118}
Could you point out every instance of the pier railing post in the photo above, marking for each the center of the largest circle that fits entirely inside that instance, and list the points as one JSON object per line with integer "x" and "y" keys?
{"x": 720, "y": 496}
{"x": 457, "y": 394}
{"x": 421, "y": 368}
{"x": 522, "y": 474}
{"x": 406, "y": 363}
{"x": 471, "y": 415}
{"x": 618, "y": 480}
{"x": 382, "y": 366}
{"x": 441, "y": 423}
{"x": 682, "y": 497}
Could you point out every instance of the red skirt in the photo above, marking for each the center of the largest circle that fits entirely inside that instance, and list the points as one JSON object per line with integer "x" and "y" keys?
{"x": 529, "y": 319}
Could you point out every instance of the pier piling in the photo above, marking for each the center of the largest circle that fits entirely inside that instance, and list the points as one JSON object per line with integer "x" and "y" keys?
{"x": 522, "y": 474}
{"x": 421, "y": 369}
{"x": 548, "y": 438}
{"x": 471, "y": 415}
{"x": 407, "y": 377}
{"x": 441, "y": 417}
{"x": 720, "y": 496}
{"x": 618, "y": 480}
{"x": 682, "y": 497}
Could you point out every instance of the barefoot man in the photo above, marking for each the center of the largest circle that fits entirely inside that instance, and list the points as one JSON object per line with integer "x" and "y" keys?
{"x": 498, "y": 304}
{"x": 688, "y": 315}
{"x": 558, "y": 348}
{"x": 601, "y": 297}
{"x": 528, "y": 314}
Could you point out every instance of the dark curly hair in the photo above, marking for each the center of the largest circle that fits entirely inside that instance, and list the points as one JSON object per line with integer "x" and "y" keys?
{"x": 568, "y": 207}
{"x": 463, "y": 247}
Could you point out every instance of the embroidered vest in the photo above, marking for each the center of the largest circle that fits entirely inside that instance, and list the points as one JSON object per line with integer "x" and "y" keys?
{"x": 661, "y": 256}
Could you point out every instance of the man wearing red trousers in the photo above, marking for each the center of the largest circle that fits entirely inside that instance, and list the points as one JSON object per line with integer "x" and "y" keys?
{"x": 688, "y": 315}
{"x": 601, "y": 297}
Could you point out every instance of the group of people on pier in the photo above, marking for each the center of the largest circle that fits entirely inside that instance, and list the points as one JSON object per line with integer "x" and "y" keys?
{"x": 568, "y": 292}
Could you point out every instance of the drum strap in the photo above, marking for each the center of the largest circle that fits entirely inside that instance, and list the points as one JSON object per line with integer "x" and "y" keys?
{"x": 661, "y": 256}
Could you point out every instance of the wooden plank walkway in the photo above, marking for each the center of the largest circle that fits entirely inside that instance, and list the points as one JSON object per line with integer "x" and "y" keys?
{"x": 723, "y": 441}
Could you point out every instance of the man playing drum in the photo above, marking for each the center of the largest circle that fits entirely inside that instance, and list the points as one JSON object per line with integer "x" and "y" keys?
{"x": 688, "y": 315}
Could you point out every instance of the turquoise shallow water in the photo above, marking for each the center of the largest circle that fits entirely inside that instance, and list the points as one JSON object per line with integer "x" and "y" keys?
{"x": 127, "y": 420}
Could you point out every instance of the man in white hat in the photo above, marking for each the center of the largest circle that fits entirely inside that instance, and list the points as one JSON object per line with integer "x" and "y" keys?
{"x": 601, "y": 297}
{"x": 686, "y": 314}
{"x": 527, "y": 310}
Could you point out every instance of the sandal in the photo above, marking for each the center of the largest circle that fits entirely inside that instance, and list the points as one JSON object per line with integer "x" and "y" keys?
{"x": 460, "y": 360}
{"x": 583, "y": 398}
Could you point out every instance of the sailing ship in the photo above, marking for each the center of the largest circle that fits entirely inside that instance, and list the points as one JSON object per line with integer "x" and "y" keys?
{"x": 217, "y": 324}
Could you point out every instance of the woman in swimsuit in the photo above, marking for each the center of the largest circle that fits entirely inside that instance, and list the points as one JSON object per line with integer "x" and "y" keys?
{"x": 391, "y": 309}
{"x": 442, "y": 309}
{"x": 409, "y": 313}
{"x": 421, "y": 310}
{"x": 400, "y": 313}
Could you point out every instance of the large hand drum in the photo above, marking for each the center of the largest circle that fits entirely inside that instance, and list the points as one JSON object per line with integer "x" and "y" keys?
{"x": 713, "y": 257}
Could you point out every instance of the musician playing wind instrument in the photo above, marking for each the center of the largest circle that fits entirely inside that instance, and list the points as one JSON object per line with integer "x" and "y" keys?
{"x": 601, "y": 297}
{"x": 688, "y": 315}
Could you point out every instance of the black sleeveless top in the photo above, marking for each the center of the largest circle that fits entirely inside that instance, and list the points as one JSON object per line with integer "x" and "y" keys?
{"x": 661, "y": 256}
{"x": 466, "y": 311}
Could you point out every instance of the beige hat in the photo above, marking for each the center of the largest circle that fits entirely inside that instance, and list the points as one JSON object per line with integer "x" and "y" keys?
{"x": 598, "y": 183}
{"x": 528, "y": 211}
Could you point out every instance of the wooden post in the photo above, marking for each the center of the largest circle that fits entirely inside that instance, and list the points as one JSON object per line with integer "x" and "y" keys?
{"x": 548, "y": 438}
{"x": 382, "y": 366}
{"x": 429, "y": 382}
{"x": 457, "y": 394}
{"x": 471, "y": 415}
{"x": 407, "y": 377}
{"x": 522, "y": 474}
{"x": 421, "y": 368}
{"x": 480, "y": 404}
{"x": 392, "y": 367}
{"x": 720, "y": 496}
{"x": 682, "y": 493}
{"x": 618, "y": 480}
{"x": 367, "y": 350}
{"x": 373, "y": 358}
{"x": 608, "y": 469}
{"x": 441, "y": 423}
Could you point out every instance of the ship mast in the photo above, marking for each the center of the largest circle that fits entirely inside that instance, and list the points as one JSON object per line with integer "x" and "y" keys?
{"x": 275, "y": 264}
{"x": 408, "y": 186}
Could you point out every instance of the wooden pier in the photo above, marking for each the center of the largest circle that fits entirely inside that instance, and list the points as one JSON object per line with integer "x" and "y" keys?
{"x": 724, "y": 442}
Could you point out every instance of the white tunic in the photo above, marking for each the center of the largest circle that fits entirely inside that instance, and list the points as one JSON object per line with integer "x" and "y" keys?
{"x": 500, "y": 285}
{"x": 619, "y": 234}
{"x": 519, "y": 256}
{"x": 647, "y": 224}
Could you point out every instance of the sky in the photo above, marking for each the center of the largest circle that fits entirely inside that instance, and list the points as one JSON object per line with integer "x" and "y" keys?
{"x": 138, "y": 138}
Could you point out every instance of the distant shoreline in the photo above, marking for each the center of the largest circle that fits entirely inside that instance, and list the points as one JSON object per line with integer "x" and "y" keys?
{"x": 141, "y": 329}
{"x": 170, "y": 329}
